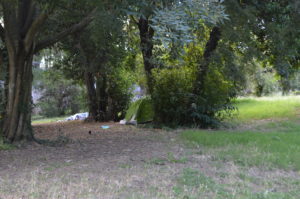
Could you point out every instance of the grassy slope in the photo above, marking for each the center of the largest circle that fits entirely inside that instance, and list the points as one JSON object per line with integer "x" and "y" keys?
{"x": 268, "y": 144}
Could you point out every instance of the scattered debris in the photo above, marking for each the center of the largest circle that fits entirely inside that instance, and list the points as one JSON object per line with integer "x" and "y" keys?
{"x": 77, "y": 116}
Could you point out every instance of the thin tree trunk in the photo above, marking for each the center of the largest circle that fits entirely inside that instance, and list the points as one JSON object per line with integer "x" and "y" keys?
{"x": 102, "y": 97}
{"x": 211, "y": 46}
{"x": 146, "y": 37}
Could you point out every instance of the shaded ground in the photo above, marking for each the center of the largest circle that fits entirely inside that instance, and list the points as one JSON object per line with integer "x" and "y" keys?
{"x": 128, "y": 162}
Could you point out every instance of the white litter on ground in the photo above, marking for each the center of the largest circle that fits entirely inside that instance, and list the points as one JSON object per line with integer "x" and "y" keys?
{"x": 77, "y": 116}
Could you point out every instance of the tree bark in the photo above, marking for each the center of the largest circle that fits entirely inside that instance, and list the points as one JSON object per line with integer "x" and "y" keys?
{"x": 17, "y": 123}
{"x": 22, "y": 21}
{"x": 91, "y": 95}
{"x": 211, "y": 46}
{"x": 102, "y": 97}
{"x": 146, "y": 43}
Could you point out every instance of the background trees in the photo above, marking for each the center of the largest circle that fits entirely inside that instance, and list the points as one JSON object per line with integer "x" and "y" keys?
{"x": 193, "y": 57}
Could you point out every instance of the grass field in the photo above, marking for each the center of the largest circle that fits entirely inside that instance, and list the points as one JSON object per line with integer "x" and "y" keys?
{"x": 267, "y": 137}
{"x": 251, "y": 109}
{"x": 257, "y": 157}
{"x": 272, "y": 139}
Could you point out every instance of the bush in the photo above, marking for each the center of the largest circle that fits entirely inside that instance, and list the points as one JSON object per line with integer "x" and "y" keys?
{"x": 171, "y": 95}
{"x": 215, "y": 104}
{"x": 175, "y": 104}
{"x": 120, "y": 83}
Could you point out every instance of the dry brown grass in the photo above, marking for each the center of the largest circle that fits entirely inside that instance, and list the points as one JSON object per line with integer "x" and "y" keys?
{"x": 126, "y": 162}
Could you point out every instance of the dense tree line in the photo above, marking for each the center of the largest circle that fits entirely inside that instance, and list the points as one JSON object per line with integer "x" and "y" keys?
{"x": 193, "y": 57}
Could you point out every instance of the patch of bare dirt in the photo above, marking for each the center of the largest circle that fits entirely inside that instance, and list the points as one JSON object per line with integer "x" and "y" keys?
{"x": 120, "y": 162}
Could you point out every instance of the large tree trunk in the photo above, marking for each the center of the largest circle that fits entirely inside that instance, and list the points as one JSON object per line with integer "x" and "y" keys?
{"x": 22, "y": 20}
{"x": 211, "y": 46}
{"x": 91, "y": 96}
{"x": 17, "y": 123}
{"x": 3, "y": 87}
{"x": 146, "y": 37}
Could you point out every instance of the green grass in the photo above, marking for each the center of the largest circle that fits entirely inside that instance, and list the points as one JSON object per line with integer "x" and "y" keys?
{"x": 193, "y": 184}
{"x": 40, "y": 120}
{"x": 267, "y": 108}
{"x": 4, "y": 146}
{"x": 272, "y": 149}
{"x": 274, "y": 143}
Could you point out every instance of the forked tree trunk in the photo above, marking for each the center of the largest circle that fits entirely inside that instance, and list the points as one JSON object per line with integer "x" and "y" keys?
{"x": 17, "y": 123}
{"x": 203, "y": 68}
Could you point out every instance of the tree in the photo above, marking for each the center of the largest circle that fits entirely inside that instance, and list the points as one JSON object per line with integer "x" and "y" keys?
{"x": 93, "y": 57}
{"x": 23, "y": 36}
{"x": 276, "y": 36}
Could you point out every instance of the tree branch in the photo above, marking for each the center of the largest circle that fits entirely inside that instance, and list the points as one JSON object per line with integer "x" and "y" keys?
{"x": 75, "y": 28}
{"x": 133, "y": 19}
{"x": 33, "y": 30}
{"x": 26, "y": 15}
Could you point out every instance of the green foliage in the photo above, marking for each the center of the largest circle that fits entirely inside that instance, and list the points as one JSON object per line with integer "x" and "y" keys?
{"x": 215, "y": 104}
{"x": 177, "y": 22}
{"x": 59, "y": 96}
{"x": 120, "y": 83}
{"x": 171, "y": 95}
{"x": 175, "y": 103}
{"x": 262, "y": 81}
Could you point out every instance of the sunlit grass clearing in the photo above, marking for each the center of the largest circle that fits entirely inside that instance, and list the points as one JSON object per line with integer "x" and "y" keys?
{"x": 270, "y": 144}
{"x": 268, "y": 108}
{"x": 48, "y": 120}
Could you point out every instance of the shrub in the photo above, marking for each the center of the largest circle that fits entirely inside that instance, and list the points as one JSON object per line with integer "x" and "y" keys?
{"x": 175, "y": 104}
{"x": 171, "y": 95}
{"x": 120, "y": 83}
{"x": 215, "y": 104}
